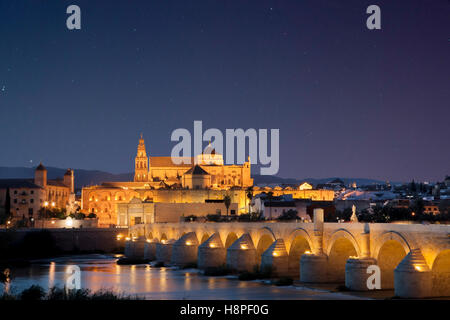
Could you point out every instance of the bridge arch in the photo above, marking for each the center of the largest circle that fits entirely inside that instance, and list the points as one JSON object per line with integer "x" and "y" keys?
{"x": 163, "y": 236}
{"x": 391, "y": 247}
{"x": 341, "y": 246}
{"x": 343, "y": 233}
{"x": 440, "y": 272}
{"x": 231, "y": 237}
{"x": 391, "y": 235}
{"x": 298, "y": 243}
{"x": 263, "y": 244}
{"x": 204, "y": 236}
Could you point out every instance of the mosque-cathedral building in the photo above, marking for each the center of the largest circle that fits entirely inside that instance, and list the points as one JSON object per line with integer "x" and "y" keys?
{"x": 165, "y": 186}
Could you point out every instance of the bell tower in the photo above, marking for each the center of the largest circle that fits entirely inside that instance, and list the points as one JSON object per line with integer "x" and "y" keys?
{"x": 141, "y": 162}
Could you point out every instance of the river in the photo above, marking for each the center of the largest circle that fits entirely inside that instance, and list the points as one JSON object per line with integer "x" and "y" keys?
{"x": 102, "y": 272}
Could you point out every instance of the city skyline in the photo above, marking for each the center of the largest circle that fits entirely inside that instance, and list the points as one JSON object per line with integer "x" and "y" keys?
{"x": 349, "y": 102}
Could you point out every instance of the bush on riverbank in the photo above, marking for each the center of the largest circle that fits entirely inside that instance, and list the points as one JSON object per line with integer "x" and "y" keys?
{"x": 216, "y": 271}
{"x": 36, "y": 293}
{"x": 257, "y": 274}
{"x": 192, "y": 265}
{"x": 285, "y": 281}
{"x": 131, "y": 261}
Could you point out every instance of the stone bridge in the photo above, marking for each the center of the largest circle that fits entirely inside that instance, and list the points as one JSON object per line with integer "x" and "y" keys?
{"x": 413, "y": 259}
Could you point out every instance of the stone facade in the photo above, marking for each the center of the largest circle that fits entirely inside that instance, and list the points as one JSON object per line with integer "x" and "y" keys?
{"x": 28, "y": 196}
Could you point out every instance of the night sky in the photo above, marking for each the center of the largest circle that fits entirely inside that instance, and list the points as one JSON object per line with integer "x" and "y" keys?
{"x": 348, "y": 101}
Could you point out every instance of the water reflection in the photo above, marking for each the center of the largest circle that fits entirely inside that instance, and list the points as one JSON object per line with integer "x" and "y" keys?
{"x": 101, "y": 272}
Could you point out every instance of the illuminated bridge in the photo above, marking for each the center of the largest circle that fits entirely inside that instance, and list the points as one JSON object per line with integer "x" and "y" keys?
{"x": 413, "y": 259}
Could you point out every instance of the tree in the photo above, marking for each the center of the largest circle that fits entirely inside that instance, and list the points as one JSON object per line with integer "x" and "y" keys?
{"x": 412, "y": 186}
{"x": 7, "y": 213}
{"x": 249, "y": 197}
{"x": 227, "y": 202}
{"x": 270, "y": 197}
{"x": 289, "y": 215}
{"x": 418, "y": 206}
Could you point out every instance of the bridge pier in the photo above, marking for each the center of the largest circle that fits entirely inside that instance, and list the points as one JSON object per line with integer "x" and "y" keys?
{"x": 276, "y": 259}
{"x": 356, "y": 273}
{"x": 356, "y": 268}
{"x": 211, "y": 253}
{"x": 135, "y": 248}
{"x": 184, "y": 250}
{"x": 164, "y": 251}
{"x": 412, "y": 277}
{"x": 150, "y": 249}
{"x": 314, "y": 266}
{"x": 241, "y": 255}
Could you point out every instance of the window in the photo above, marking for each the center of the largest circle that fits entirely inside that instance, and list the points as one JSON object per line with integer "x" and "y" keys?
{"x": 232, "y": 212}
{"x": 15, "y": 191}
{"x": 15, "y": 200}
{"x": 32, "y": 192}
{"x": 31, "y": 200}
{"x": 30, "y": 211}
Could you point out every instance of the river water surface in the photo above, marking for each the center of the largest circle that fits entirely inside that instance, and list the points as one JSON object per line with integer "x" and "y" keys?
{"x": 102, "y": 272}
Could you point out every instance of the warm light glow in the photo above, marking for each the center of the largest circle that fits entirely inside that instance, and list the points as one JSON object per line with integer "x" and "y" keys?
{"x": 418, "y": 268}
{"x": 127, "y": 239}
{"x": 212, "y": 245}
{"x": 163, "y": 241}
{"x": 307, "y": 252}
{"x": 45, "y": 203}
{"x": 148, "y": 240}
{"x": 119, "y": 237}
{"x": 188, "y": 243}
{"x": 243, "y": 246}
{"x": 413, "y": 213}
{"x": 53, "y": 221}
{"x": 69, "y": 222}
{"x": 275, "y": 254}
{"x": 53, "y": 204}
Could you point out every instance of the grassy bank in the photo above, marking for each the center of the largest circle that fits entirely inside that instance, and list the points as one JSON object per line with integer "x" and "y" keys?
{"x": 36, "y": 293}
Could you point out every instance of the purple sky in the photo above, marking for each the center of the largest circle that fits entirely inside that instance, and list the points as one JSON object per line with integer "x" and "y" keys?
{"x": 348, "y": 101}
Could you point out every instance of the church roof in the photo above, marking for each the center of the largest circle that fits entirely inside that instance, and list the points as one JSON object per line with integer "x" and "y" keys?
{"x": 196, "y": 170}
{"x": 56, "y": 183}
{"x": 18, "y": 183}
{"x": 167, "y": 162}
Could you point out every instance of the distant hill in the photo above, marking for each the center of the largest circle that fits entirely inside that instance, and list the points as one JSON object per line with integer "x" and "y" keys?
{"x": 93, "y": 177}
{"x": 82, "y": 177}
